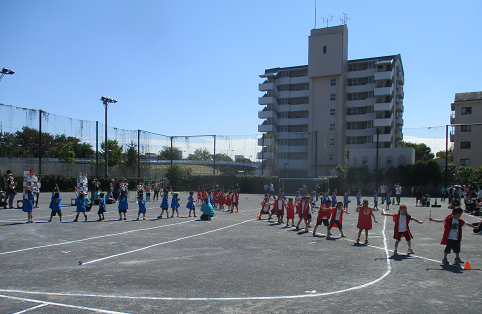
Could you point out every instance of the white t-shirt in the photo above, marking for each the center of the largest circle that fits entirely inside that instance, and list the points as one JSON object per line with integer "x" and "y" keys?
{"x": 338, "y": 214}
{"x": 398, "y": 190}
{"x": 402, "y": 223}
{"x": 280, "y": 204}
{"x": 454, "y": 229}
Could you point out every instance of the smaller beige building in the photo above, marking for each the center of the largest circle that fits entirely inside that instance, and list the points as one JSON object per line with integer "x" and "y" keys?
{"x": 467, "y": 135}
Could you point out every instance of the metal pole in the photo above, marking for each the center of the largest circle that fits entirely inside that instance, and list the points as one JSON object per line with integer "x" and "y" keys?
{"x": 446, "y": 153}
{"x": 96, "y": 149}
{"x": 171, "y": 148}
{"x": 40, "y": 143}
{"x": 376, "y": 178}
{"x": 138, "y": 153}
{"x": 106, "y": 150}
{"x": 262, "y": 155}
{"x": 316, "y": 153}
{"x": 214, "y": 157}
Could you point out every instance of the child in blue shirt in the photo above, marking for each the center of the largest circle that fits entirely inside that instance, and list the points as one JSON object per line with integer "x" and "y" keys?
{"x": 28, "y": 206}
{"x": 345, "y": 200}
{"x": 175, "y": 204}
{"x": 55, "y": 204}
{"x": 190, "y": 204}
{"x": 165, "y": 204}
{"x": 102, "y": 208}
{"x": 80, "y": 205}
{"x": 123, "y": 205}
{"x": 358, "y": 198}
{"x": 375, "y": 201}
{"x": 142, "y": 206}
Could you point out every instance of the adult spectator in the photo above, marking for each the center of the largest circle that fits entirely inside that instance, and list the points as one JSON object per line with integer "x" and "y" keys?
{"x": 207, "y": 210}
{"x": 271, "y": 190}
{"x": 398, "y": 192}
{"x": 418, "y": 196}
{"x": 383, "y": 192}
{"x": 443, "y": 193}
{"x": 10, "y": 189}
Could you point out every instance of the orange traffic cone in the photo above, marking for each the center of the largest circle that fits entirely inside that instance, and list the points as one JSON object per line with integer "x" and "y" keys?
{"x": 236, "y": 212}
{"x": 257, "y": 217}
{"x": 467, "y": 266}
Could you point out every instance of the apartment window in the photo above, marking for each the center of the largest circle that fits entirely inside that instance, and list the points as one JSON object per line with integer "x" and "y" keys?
{"x": 466, "y": 110}
{"x": 332, "y": 156}
{"x": 324, "y": 49}
{"x": 332, "y": 127}
{"x": 464, "y": 145}
{"x": 370, "y": 94}
{"x": 353, "y": 82}
{"x": 332, "y": 112}
{"x": 371, "y": 79}
{"x": 352, "y": 96}
{"x": 284, "y": 101}
{"x": 351, "y": 140}
{"x": 332, "y": 141}
{"x": 466, "y": 128}
{"x": 371, "y": 64}
{"x": 283, "y": 128}
{"x": 283, "y": 155}
{"x": 333, "y": 82}
{"x": 333, "y": 97}
{"x": 465, "y": 162}
{"x": 353, "y": 67}
{"x": 283, "y": 142}
{"x": 351, "y": 125}
{"x": 285, "y": 73}
{"x": 370, "y": 124}
{"x": 351, "y": 111}
{"x": 284, "y": 87}
{"x": 283, "y": 114}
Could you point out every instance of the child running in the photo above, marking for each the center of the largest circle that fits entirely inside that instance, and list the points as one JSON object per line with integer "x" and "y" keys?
{"x": 336, "y": 219}
{"x": 365, "y": 215}
{"x": 142, "y": 206}
{"x": 174, "y": 204}
{"x": 452, "y": 236}
{"x": 401, "y": 229}
{"x": 55, "y": 204}
{"x": 190, "y": 204}
{"x": 102, "y": 208}
{"x": 324, "y": 214}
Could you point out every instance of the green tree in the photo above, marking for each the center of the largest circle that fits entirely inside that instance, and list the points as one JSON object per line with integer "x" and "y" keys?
{"x": 165, "y": 153}
{"x": 425, "y": 172}
{"x": 441, "y": 154}
{"x": 340, "y": 172}
{"x": 451, "y": 173}
{"x": 477, "y": 176}
{"x": 223, "y": 157}
{"x": 130, "y": 157}
{"x": 200, "y": 155}
{"x": 243, "y": 159}
{"x": 379, "y": 175}
{"x": 392, "y": 175}
{"x": 64, "y": 152}
{"x": 178, "y": 175}
{"x": 422, "y": 151}
{"x": 115, "y": 153}
{"x": 364, "y": 175}
{"x": 464, "y": 174}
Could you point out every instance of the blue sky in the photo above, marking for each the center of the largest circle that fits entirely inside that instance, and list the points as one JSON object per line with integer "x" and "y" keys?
{"x": 192, "y": 67}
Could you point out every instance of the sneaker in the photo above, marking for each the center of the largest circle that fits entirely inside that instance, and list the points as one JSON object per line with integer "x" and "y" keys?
{"x": 445, "y": 262}
{"x": 357, "y": 241}
{"x": 159, "y": 217}
{"x": 331, "y": 234}
{"x": 328, "y": 236}
{"x": 343, "y": 236}
{"x": 144, "y": 218}
{"x": 366, "y": 241}
{"x": 292, "y": 225}
{"x": 100, "y": 219}
{"x": 410, "y": 251}
{"x": 137, "y": 218}
{"x": 306, "y": 229}
{"x": 125, "y": 218}
{"x": 458, "y": 261}
{"x": 50, "y": 220}
{"x": 120, "y": 219}
{"x": 314, "y": 234}
{"x": 287, "y": 226}
{"x": 395, "y": 252}
{"x": 195, "y": 216}
{"x": 75, "y": 220}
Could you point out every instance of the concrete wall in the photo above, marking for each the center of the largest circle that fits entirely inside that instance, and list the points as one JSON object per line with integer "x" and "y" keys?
{"x": 397, "y": 156}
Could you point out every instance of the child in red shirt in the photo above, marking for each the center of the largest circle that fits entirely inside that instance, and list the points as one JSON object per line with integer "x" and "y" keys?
{"x": 323, "y": 215}
{"x": 265, "y": 205}
{"x": 336, "y": 219}
{"x": 290, "y": 212}
{"x": 365, "y": 215}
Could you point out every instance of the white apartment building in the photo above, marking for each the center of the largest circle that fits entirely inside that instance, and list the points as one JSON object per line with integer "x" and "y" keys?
{"x": 467, "y": 110}
{"x": 327, "y": 113}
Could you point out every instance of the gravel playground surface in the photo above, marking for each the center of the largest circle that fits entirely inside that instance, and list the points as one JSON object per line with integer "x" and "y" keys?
{"x": 231, "y": 264}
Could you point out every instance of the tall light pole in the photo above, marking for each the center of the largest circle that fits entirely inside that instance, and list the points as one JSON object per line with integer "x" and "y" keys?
{"x": 5, "y": 71}
{"x": 106, "y": 101}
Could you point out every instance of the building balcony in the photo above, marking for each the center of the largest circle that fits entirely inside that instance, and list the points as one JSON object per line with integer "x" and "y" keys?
{"x": 383, "y": 137}
{"x": 295, "y": 121}
{"x": 292, "y": 149}
{"x": 452, "y": 107}
{"x": 400, "y": 107}
{"x": 266, "y": 100}
{"x": 384, "y": 106}
{"x": 299, "y": 93}
{"x": 400, "y": 93}
{"x": 266, "y": 142}
{"x": 452, "y": 119}
{"x": 360, "y": 132}
{"x": 360, "y": 117}
{"x": 265, "y": 114}
{"x": 266, "y": 128}
{"x": 359, "y": 88}
{"x": 294, "y": 108}
{"x": 358, "y": 74}
{"x": 360, "y": 103}
{"x": 299, "y": 80}
{"x": 384, "y": 75}
{"x": 382, "y": 122}
{"x": 263, "y": 87}
{"x": 400, "y": 79}
{"x": 452, "y": 137}
{"x": 381, "y": 91}
{"x": 400, "y": 122}
{"x": 292, "y": 135}
{"x": 265, "y": 155}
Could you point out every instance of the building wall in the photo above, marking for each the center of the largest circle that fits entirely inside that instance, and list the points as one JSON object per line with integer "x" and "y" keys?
{"x": 387, "y": 158}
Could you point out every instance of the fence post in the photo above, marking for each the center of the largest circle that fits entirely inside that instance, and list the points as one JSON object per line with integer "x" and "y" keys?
{"x": 96, "y": 149}
{"x": 138, "y": 153}
{"x": 40, "y": 143}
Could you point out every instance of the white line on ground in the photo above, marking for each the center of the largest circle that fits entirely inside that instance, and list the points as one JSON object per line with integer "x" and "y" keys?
{"x": 92, "y": 238}
{"x": 32, "y": 308}
{"x": 61, "y": 305}
{"x": 166, "y": 242}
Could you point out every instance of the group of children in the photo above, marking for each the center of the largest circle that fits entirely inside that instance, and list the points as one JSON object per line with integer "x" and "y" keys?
{"x": 329, "y": 216}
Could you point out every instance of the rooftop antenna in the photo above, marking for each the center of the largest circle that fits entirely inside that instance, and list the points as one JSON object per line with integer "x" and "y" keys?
{"x": 345, "y": 18}
{"x": 327, "y": 20}
{"x": 315, "y": 14}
